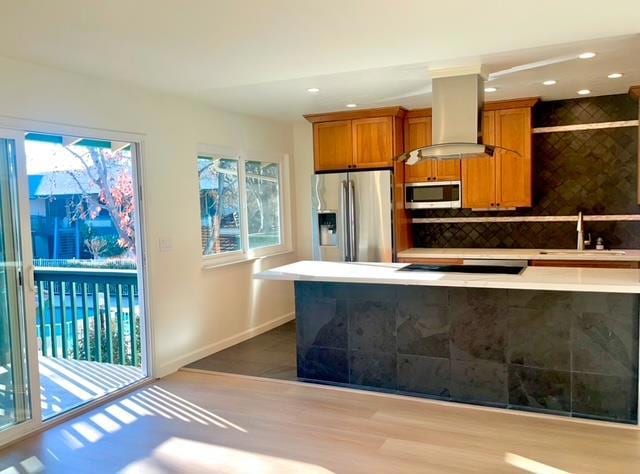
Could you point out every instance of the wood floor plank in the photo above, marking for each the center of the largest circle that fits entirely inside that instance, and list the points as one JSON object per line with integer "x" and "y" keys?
{"x": 194, "y": 422}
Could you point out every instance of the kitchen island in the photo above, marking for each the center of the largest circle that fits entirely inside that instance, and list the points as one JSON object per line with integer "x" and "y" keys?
{"x": 554, "y": 340}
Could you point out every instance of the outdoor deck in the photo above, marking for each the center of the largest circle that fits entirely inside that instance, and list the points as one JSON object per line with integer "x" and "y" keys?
{"x": 89, "y": 334}
{"x": 68, "y": 383}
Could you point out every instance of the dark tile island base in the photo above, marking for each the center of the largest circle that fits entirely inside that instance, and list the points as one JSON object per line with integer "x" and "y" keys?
{"x": 560, "y": 352}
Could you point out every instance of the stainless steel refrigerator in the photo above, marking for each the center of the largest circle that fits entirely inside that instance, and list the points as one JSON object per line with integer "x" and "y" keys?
{"x": 352, "y": 216}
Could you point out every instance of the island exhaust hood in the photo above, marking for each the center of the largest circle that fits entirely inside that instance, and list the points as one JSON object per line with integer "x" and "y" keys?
{"x": 456, "y": 118}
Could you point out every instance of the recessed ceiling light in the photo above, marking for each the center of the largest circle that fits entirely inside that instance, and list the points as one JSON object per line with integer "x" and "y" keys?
{"x": 587, "y": 55}
{"x": 313, "y": 90}
{"x": 615, "y": 75}
{"x": 351, "y": 106}
{"x": 584, "y": 92}
{"x": 490, "y": 89}
{"x": 550, "y": 82}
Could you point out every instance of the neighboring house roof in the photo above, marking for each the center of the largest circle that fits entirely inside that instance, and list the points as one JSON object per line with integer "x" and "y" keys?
{"x": 207, "y": 183}
{"x": 208, "y": 176}
{"x": 59, "y": 183}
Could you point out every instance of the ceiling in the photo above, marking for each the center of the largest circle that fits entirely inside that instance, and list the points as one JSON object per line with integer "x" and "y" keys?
{"x": 259, "y": 57}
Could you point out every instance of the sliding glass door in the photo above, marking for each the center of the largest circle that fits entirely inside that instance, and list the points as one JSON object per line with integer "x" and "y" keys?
{"x": 85, "y": 242}
{"x": 15, "y": 403}
{"x": 72, "y": 326}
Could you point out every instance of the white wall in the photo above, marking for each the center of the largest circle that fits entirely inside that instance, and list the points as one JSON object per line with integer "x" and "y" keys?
{"x": 193, "y": 311}
{"x": 303, "y": 152}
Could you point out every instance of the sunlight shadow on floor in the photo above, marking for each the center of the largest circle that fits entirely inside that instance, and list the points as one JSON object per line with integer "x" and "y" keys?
{"x": 68, "y": 383}
{"x": 183, "y": 455}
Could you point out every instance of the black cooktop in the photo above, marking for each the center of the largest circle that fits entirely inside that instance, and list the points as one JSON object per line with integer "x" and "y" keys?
{"x": 498, "y": 269}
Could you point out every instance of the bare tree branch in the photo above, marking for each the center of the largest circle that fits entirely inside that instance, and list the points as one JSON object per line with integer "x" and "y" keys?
{"x": 121, "y": 214}
{"x": 86, "y": 166}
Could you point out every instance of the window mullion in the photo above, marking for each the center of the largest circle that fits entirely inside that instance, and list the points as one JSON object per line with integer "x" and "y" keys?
{"x": 281, "y": 204}
{"x": 244, "y": 215}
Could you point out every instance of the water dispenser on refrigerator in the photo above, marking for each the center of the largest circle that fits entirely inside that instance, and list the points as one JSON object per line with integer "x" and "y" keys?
{"x": 327, "y": 228}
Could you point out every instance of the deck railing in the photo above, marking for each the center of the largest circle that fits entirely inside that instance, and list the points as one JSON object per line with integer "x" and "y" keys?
{"x": 88, "y": 314}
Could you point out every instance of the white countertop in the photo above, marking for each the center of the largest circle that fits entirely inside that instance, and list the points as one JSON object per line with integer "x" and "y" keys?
{"x": 608, "y": 280}
{"x": 524, "y": 254}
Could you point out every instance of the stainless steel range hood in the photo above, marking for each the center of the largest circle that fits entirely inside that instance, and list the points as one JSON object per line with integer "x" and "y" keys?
{"x": 456, "y": 116}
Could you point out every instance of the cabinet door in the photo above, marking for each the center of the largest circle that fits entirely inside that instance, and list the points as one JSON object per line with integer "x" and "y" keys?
{"x": 478, "y": 174}
{"x": 447, "y": 170}
{"x": 418, "y": 134}
{"x": 373, "y": 142}
{"x": 333, "y": 145}
{"x": 513, "y": 171}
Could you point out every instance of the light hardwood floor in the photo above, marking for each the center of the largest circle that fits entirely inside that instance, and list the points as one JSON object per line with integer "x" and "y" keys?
{"x": 193, "y": 422}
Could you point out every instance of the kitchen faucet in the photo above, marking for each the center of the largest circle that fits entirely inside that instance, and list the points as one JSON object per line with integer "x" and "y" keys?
{"x": 580, "y": 229}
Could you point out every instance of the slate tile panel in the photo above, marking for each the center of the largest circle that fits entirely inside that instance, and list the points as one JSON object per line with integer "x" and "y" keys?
{"x": 323, "y": 363}
{"x": 478, "y": 328}
{"x": 322, "y": 322}
{"x": 423, "y": 322}
{"x": 479, "y": 381}
{"x": 542, "y": 389}
{"x": 605, "y": 396}
{"x": 605, "y": 346}
{"x": 373, "y": 369}
{"x": 427, "y": 375}
{"x": 562, "y": 352}
{"x": 539, "y": 338}
{"x": 372, "y": 325}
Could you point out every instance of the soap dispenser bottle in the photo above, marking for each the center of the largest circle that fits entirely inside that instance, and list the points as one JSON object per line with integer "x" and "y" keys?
{"x": 600, "y": 243}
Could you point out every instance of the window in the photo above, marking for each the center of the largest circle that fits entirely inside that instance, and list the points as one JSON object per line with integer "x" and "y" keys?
{"x": 263, "y": 203}
{"x": 243, "y": 210}
{"x": 219, "y": 205}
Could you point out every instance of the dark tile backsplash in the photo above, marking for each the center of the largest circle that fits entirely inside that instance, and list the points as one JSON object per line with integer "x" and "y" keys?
{"x": 606, "y": 108}
{"x": 594, "y": 171}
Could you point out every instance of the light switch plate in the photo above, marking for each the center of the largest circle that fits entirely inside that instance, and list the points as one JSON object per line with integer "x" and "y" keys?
{"x": 165, "y": 245}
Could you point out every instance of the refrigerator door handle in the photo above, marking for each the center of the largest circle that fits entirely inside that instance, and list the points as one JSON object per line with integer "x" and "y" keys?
{"x": 352, "y": 223}
{"x": 345, "y": 222}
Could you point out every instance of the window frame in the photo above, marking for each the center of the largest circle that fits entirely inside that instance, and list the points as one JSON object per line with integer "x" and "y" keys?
{"x": 245, "y": 254}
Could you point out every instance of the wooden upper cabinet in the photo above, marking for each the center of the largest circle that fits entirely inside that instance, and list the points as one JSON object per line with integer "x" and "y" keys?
{"x": 333, "y": 145}
{"x": 417, "y": 135}
{"x": 447, "y": 170}
{"x": 504, "y": 181}
{"x": 478, "y": 174}
{"x": 365, "y": 139}
{"x": 373, "y": 142}
{"x": 513, "y": 171}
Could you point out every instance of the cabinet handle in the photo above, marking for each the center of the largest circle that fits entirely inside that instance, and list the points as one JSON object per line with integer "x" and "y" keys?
{"x": 492, "y": 204}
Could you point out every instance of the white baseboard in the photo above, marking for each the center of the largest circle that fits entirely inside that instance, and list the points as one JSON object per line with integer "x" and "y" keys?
{"x": 198, "y": 354}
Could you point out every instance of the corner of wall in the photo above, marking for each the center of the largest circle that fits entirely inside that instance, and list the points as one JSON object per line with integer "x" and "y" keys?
{"x": 302, "y": 172}
{"x": 179, "y": 362}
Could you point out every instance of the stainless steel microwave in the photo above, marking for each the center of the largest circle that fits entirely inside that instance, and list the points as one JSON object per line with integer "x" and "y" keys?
{"x": 433, "y": 195}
